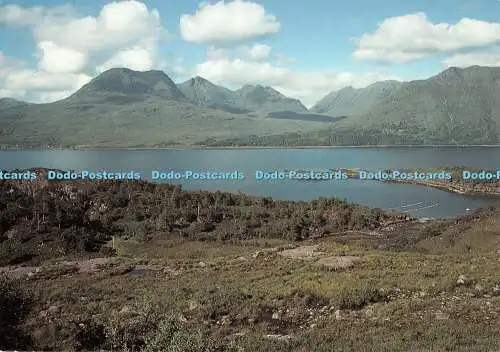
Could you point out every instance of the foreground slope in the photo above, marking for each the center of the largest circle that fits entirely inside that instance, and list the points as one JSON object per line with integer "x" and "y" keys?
{"x": 213, "y": 271}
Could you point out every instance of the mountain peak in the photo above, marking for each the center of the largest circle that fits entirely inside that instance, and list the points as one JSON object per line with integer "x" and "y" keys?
{"x": 264, "y": 98}
{"x": 201, "y": 91}
{"x": 198, "y": 80}
{"x": 450, "y": 71}
{"x": 129, "y": 82}
{"x": 258, "y": 89}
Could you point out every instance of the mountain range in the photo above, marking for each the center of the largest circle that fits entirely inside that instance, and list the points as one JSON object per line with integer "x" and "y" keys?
{"x": 126, "y": 108}
{"x": 459, "y": 106}
{"x": 248, "y": 99}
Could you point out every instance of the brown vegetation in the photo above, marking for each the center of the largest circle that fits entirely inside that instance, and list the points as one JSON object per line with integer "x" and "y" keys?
{"x": 201, "y": 271}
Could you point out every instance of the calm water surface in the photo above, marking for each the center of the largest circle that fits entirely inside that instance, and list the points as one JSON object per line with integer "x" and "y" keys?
{"x": 418, "y": 201}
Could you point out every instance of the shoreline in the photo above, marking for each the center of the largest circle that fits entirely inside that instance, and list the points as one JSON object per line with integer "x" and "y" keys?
{"x": 456, "y": 189}
{"x": 181, "y": 148}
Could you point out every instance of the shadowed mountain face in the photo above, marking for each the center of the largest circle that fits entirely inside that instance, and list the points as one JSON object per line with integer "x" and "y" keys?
{"x": 350, "y": 101}
{"x": 123, "y": 81}
{"x": 267, "y": 99}
{"x": 204, "y": 93}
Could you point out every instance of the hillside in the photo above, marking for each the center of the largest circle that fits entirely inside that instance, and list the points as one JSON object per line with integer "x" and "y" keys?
{"x": 125, "y": 108}
{"x": 350, "y": 101}
{"x": 257, "y": 100}
{"x": 8, "y": 103}
{"x": 266, "y": 99}
{"x": 204, "y": 93}
{"x": 150, "y": 267}
{"x": 457, "y": 106}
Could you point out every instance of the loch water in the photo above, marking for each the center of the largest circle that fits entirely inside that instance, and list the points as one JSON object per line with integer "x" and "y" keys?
{"x": 417, "y": 201}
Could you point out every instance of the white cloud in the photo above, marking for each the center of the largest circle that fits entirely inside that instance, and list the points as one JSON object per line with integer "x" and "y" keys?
{"x": 257, "y": 52}
{"x": 56, "y": 59}
{"x": 135, "y": 58}
{"x": 214, "y": 53}
{"x": 309, "y": 87}
{"x": 282, "y": 59}
{"x": 238, "y": 72}
{"x": 411, "y": 37}
{"x": 491, "y": 58}
{"x": 72, "y": 48}
{"x": 19, "y": 82}
{"x": 43, "y": 81}
{"x": 15, "y": 15}
{"x": 228, "y": 22}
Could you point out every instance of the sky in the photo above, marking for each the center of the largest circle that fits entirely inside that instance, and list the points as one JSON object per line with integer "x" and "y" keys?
{"x": 304, "y": 49}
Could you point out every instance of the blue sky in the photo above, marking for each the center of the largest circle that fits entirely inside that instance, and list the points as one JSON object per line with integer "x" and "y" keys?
{"x": 305, "y": 49}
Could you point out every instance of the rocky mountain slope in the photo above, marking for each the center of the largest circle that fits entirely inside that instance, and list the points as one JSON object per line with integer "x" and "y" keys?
{"x": 456, "y": 106}
{"x": 350, "y": 101}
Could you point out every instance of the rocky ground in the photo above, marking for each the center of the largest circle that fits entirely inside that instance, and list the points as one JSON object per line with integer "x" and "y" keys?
{"x": 256, "y": 297}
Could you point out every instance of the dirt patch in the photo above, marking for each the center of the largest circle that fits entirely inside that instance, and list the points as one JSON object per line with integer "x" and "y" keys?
{"x": 336, "y": 263}
{"x": 88, "y": 266}
{"x": 17, "y": 272}
{"x": 302, "y": 252}
{"x": 139, "y": 270}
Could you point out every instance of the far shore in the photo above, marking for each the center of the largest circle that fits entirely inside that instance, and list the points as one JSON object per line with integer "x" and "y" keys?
{"x": 449, "y": 188}
{"x": 84, "y": 148}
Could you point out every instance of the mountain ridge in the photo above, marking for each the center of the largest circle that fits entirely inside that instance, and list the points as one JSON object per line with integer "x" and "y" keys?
{"x": 458, "y": 106}
{"x": 353, "y": 101}
{"x": 127, "y": 108}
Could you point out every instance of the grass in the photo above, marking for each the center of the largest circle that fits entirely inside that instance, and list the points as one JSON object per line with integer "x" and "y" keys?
{"x": 123, "y": 125}
{"x": 387, "y": 301}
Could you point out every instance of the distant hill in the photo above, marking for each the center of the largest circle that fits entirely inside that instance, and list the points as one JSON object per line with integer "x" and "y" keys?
{"x": 126, "y": 108}
{"x": 257, "y": 99}
{"x": 350, "y": 101}
{"x": 456, "y": 106}
{"x": 8, "y": 103}
{"x": 204, "y": 93}
{"x": 266, "y": 99}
